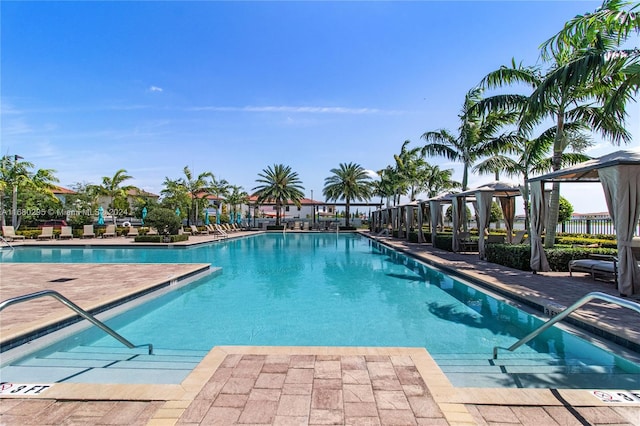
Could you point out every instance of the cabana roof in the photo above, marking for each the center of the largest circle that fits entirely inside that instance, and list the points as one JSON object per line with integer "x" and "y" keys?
{"x": 588, "y": 171}
{"x": 499, "y": 189}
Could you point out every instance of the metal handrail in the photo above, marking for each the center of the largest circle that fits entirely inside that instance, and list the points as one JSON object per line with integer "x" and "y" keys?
{"x": 582, "y": 301}
{"x": 6, "y": 242}
{"x": 86, "y": 315}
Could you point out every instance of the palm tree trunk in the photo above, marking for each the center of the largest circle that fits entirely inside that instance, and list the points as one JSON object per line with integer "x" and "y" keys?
{"x": 554, "y": 202}
{"x": 346, "y": 212}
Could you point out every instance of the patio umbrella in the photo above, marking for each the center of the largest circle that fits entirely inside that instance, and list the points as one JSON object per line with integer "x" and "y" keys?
{"x": 239, "y": 218}
{"x": 178, "y": 211}
{"x": 206, "y": 217}
{"x": 217, "y": 217}
{"x": 144, "y": 214}
{"x": 100, "y": 216}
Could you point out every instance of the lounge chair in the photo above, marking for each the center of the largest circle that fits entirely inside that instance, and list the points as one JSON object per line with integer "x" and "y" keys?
{"x": 132, "y": 232}
{"x": 9, "y": 233}
{"x": 518, "y": 238}
{"x": 196, "y": 231}
{"x": 466, "y": 243}
{"x": 47, "y": 233}
{"x": 183, "y": 231}
{"x": 87, "y": 231}
{"x": 598, "y": 265}
{"x": 152, "y": 231}
{"x": 495, "y": 239}
{"x": 221, "y": 232}
{"x": 109, "y": 232}
{"x": 66, "y": 232}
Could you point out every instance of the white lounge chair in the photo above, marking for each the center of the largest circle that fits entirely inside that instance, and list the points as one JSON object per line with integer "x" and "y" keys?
{"x": 9, "y": 233}
{"x": 132, "y": 232}
{"x": 47, "y": 233}
{"x": 196, "y": 231}
{"x": 221, "y": 232}
{"x": 87, "y": 231}
{"x": 109, "y": 232}
{"x": 599, "y": 266}
{"x": 66, "y": 232}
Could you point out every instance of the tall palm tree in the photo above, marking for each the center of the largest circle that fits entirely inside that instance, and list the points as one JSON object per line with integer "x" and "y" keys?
{"x": 349, "y": 182}
{"x": 599, "y": 57}
{"x": 236, "y": 197}
{"x": 113, "y": 188}
{"x": 477, "y": 135}
{"x": 411, "y": 168}
{"x": 197, "y": 187}
{"x": 385, "y": 186}
{"x": 279, "y": 185}
{"x": 175, "y": 195}
{"x": 570, "y": 107}
{"x": 438, "y": 180}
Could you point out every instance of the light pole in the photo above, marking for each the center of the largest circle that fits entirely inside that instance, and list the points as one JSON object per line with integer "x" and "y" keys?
{"x": 14, "y": 204}
{"x": 313, "y": 211}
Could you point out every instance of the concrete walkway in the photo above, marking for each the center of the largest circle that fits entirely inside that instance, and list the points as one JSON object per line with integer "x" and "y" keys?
{"x": 316, "y": 385}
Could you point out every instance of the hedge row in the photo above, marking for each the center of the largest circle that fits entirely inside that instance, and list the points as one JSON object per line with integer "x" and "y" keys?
{"x": 159, "y": 238}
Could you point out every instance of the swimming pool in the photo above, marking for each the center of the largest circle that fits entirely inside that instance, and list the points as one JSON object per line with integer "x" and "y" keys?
{"x": 334, "y": 290}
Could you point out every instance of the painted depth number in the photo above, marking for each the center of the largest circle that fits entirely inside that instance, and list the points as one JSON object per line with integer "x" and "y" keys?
{"x": 7, "y": 388}
{"x": 613, "y": 396}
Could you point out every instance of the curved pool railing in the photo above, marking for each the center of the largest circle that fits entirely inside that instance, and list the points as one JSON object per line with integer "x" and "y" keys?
{"x": 77, "y": 309}
{"x": 566, "y": 312}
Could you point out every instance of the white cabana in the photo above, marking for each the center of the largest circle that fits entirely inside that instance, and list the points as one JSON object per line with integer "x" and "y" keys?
{"x": 435, "y": 211}
{"x": 505, "y": 192}
{"x": 619, "y": 174}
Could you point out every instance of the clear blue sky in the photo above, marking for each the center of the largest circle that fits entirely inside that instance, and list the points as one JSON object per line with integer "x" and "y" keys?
{"x": 233, "y": 87}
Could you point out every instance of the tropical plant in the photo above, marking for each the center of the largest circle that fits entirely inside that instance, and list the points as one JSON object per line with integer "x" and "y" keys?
{"x": 598, "y": 57}
{"x": 438, "y": 180}
{"x": 113, "y": 188}
{"x": 197, "y": 188}
{"x": 411, "y": 169}
{"x": 235, "y": 198}
{"x": 174, "y": 195}
{"x": 17, "y": 176}
{"x": 349, "y": 182}
{"x": 164, "y": 220}
{"x": 279, "y": 185}
{"x": 566, "y": 210}
{"x": 570, "y": 107}
{"x": 386, "y": 186}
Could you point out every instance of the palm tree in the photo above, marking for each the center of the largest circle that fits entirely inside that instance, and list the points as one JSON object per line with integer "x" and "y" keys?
{"x": 17, "y": 176}
{"x": 570, "y": 107}
{"x": 348, "y": 182}
{"x": 411, "y": 168}
{"x": 279, "y": 185}
{"x": 197, "y": 188}
{"x": 476, "y": 135}
{"x": 599, "y": 57}
{"x": 175, "y": 195}
{"x": 112, "y": 187}
{"x": 438, "y": 181}
{"x": 236, "y": 197}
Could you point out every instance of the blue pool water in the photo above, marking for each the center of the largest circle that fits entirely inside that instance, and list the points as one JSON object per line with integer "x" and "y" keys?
{"x": 320, "y": 290}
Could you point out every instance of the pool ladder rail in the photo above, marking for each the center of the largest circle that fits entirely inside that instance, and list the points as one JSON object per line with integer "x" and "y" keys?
{"x": 6, "y": 242}
{"x": 566, "y": 312}
{"x": 77, "y": 309}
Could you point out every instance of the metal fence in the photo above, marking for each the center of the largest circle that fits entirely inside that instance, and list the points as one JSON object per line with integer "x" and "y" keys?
{"x": 589, "y": 226}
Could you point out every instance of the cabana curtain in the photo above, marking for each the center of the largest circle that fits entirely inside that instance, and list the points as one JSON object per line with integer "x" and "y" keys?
{"x": 434, "y": 208}
{"x": 621, "y": 185}
{"x": 508, "y": 205}
{"x": 483, "y": 208}
{"x": 538, "y": 260}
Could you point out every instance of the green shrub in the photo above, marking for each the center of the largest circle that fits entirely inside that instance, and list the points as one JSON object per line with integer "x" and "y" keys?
{"x": 559, "y": 257}
{"x": 164, "y": 220}
{"x": 413, "y": 237}
{"x": 444, "y": 242}
{"x": 571, "y": 240}
{"x": 275, "y": 227}
{"x": 348, "y": 228}
{"x": 517, "y": 256}
{"x": 160, "y": 238}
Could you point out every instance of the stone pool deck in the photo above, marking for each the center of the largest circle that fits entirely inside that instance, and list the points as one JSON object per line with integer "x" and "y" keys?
{"x": 303, "y": 385}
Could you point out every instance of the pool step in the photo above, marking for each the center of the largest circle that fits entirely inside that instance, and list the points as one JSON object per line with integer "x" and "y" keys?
{"x": 535, "y": 371}
{"x": 87, "y": 364}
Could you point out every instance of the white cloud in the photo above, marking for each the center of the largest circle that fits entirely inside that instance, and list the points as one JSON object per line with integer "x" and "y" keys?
{"x": 155, "y": 89}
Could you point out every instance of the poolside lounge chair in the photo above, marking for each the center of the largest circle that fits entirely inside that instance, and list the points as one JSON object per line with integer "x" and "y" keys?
{"x": 10, "y": 233}
{"x": 47, "y": 233}
{"x": 466, "y": 243}
{"x": 518, "y": 238}
{"x": 598, "y": 265}
{"x": 183, "y": 231}
{"x": 132, "y": 232}
{"x": 87, "y": 231}
{"x": 196, "y": 231}
{"x": 109, "y": 232}
{"x": 66, "y": 232}
{"x": 219, "y": 231}
{"x": 152, "y": 231}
